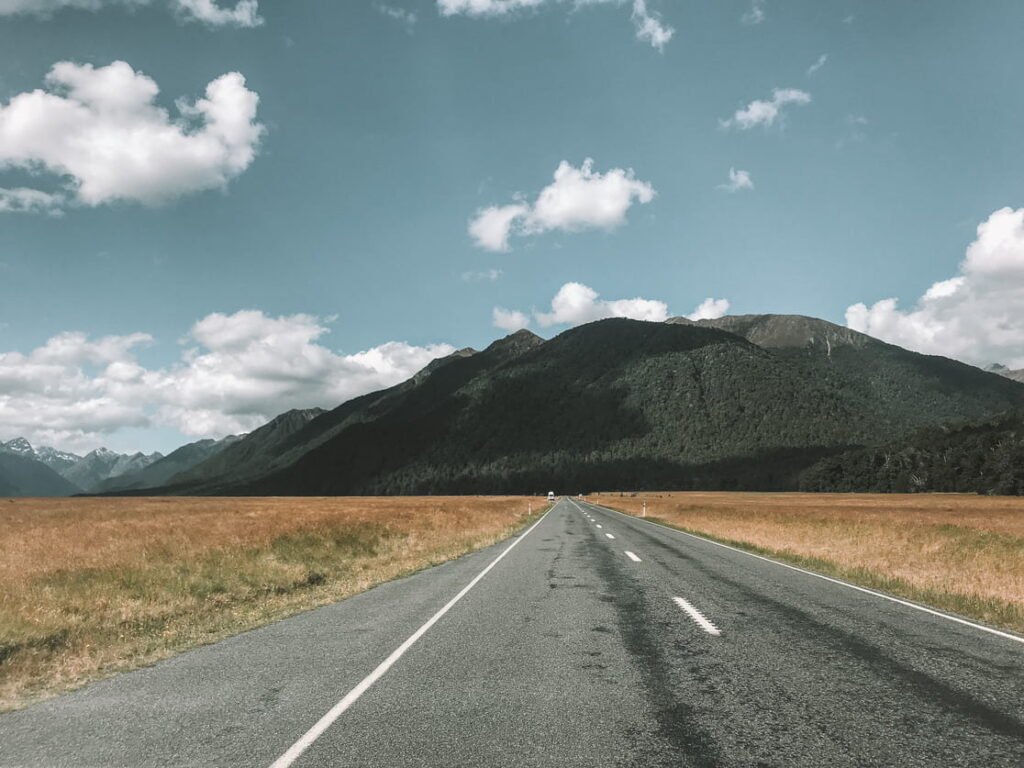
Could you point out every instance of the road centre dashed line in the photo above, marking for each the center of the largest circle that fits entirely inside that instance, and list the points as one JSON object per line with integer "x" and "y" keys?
{"x": 609, "y": 536}
{"x": 698, "y": 617}
{"x": 839, "y": 582}
{"x": 633, "y": 557}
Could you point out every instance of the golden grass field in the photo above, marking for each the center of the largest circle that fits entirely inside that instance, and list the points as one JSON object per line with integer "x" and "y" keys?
{"x": 93, "y": 586}
{"x": 961, "y": 553}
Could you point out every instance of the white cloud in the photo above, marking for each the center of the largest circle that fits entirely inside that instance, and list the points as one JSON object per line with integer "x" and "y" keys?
{"x": 485, "y": 8}
{"x": 977, "y": 315}
{"x": 244, "y": 13}
{"x": 22, "y": 200}
{"x": 487, "y": 274}
{"x": 401, "y": 15}
{"x": 509, "y": 319}
{"x": 822, "y": 60}
{"x": 577, "y": 199}
{"x": 648, "y": 24}
{"x": 710, "y": 309}
{"x": 576, "y": 303}
{"x": 99, "y": 128}
{"x": 491, "y": 226}
{"x": 766, "y": 112}
{"x": 737, "y": 180}
{"x": 236, "y": 372}
{"x": 755, "y": 14}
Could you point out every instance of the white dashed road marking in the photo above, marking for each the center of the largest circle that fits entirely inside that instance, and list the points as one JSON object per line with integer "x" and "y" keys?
{"x": 633, "y": 557}
{"x": 698, "y": 617}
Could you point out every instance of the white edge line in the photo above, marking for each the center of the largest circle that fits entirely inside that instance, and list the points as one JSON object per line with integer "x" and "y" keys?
{"x": 840, "y": 582}
{"x": 633, "y": 557}
{"x": 325, "y": 722}
{"x": 698, "y": 617}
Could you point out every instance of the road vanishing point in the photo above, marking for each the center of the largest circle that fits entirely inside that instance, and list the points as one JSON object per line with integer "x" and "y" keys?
{"x": 589, "y": 639}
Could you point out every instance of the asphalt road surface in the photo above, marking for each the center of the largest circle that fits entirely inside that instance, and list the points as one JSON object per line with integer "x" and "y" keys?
{"x": 591, "y": 639}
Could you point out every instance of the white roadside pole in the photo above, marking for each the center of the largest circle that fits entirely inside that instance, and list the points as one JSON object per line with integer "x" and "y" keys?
{"x": 644, "y": 514}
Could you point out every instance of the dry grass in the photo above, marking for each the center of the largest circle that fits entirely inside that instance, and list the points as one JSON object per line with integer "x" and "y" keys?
{"x": 92, "y": 586}
{"x": 960, "y": 553}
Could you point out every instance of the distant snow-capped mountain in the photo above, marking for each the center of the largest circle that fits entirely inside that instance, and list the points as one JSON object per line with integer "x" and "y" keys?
{"x": 103, "y": 464}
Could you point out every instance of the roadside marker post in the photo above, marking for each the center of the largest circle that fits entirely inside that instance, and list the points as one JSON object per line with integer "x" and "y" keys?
{"x": 644, "y": 514}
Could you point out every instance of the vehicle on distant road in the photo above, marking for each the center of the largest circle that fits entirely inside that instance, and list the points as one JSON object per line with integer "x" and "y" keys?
{"x": 551, "y": 495}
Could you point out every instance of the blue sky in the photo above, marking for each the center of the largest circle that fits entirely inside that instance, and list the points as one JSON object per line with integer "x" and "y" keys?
{"x": 340, "y": 221}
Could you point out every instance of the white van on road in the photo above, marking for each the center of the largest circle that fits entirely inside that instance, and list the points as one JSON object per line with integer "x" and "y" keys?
{"x": 551, "y": 495}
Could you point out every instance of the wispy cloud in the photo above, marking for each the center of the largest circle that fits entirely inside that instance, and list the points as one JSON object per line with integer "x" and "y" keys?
{"x": 766, "y": 113}
{"x": 818, "y": 64}
{"x": 490, "y": 275}
{"x": 648, "y": 24}
{"x": 737, "y": 180}
{"x": 755, "y": 14}
{"x": 244, "y": 13}
{"x": 404, "y": 17}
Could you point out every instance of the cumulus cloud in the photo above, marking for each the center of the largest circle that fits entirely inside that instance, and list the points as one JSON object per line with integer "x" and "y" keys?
{"x": 491, "y": 227}
{"x": 977, "y": 315}
{"x": 577, "y": 199}
{"x": 509, "y": 319}
{"x": 710, "y": 309}
{"x": 737, "y": 180}
{"x": 648, "y": 24}
{"x": 755, "y": 14}
{"x": 822, "y": 60}
{"x": 765, "y": 113}
{"x": 576, "y": 303}
{"x": 100, "y": 130}
{"x": 235, "y": 372}
{"x": 245, "y": 13}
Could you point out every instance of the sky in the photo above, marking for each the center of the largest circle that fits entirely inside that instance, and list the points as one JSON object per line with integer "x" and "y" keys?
{"x": 213, "y": 212}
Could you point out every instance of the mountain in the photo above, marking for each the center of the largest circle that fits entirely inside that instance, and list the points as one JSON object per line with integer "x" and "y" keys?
{"x": 58, "y": 461}
{"x": 162, "y": 470}
{"x": 24, "y": 475}
{"x": 20, "y": 447}
{"x": 1002, "y": 370}
{"x": 102, "y": 464}
{"x": 981, "y": 457}
{"x": 618, "y": 403}
{"x": 247, "y": 456}
{"x": 794, "y": 332}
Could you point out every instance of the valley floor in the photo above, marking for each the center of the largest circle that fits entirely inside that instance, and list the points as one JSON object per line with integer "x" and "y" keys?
{"x": 91, "y": 586}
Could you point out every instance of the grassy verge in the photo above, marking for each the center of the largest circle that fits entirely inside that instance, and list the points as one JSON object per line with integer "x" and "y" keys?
{"x": 962, "y": 554}
{"x": 89, "y": 587}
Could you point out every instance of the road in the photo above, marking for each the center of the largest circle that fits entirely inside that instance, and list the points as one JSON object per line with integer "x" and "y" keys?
{"x": 596, "y": 639}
